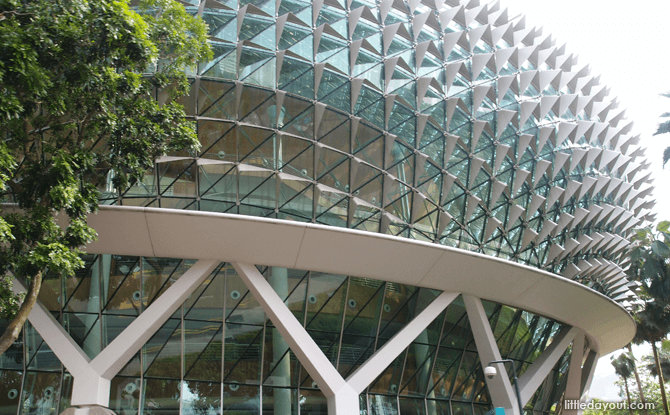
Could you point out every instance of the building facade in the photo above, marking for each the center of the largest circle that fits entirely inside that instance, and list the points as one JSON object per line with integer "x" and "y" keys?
{"x": 390, "y": 195}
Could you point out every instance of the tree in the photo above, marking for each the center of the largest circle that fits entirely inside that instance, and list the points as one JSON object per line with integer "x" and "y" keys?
{"x": 652, "y": 326}
{"x": 663, "y": 128}
{"x": 624, "y": 365}
{"x": 649, "y": 387}
{"x": 650, "y": 265}
{"x": 649, "y": 261}
{"x": 664, "y": 359}
{"x": 637, "y": 379}
{"x": 77, "y": 82}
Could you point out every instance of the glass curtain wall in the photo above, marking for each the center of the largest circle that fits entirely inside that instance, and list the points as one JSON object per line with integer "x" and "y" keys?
{"x": 220, "y": 354}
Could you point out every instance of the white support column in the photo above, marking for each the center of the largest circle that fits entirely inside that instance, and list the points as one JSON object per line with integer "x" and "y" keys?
{"x": 68, "y": 352}
{"x": 573, "y": 388}
{"x": 119, "y": 352}
{"x": 342, "y": 398}
{"x": 588, "y": 370}
{"x": 500, "y": 388}
{"x": 533, "y": 377}
{"x": 92, "y": 378}
{"x": 342, "y": 395}
{"x": 382, "y": 358}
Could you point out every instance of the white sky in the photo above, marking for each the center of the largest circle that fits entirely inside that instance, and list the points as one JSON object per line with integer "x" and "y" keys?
{"x": 627, "y": 43}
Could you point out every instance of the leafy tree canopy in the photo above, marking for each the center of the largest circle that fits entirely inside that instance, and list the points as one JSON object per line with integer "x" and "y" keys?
{"x": 649, "y": 261}
{"x": 77, "y": 86}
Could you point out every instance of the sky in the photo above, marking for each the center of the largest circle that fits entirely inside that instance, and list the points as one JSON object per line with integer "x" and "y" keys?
{"x": 627, "y": 44}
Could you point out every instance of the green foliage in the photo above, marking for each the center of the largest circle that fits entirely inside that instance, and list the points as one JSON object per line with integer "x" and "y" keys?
{"x": 664, "y": 358}
{"x": 649, "y": 261}
{"x": 664, "y": 127}
{"x": 624, "y": 365}
{"x": 650, "y": 388}
{"x": 77, "y": 86}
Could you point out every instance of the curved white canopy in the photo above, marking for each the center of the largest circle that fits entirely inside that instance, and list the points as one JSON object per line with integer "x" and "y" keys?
{"x": 124, "y": 230}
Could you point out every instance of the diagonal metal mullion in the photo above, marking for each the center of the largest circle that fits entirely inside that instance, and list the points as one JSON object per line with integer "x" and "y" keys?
{"x": 236, "y": 305}
{"x": 217, "y": 181}
{"x": 326, "y": 303}
{"x": 460, "y": 362}
{"x": 218, "y": 270}
{"x": 362, "y": 308}
{"x": 120, "y": 284}
{"x": 260, "y": 332}
{"x": 182, "y": 173}
{"x": 528, "y": 343}
{"x": 211, "y": 96}
{"x": 418, "y": 369}
{"x": 512, "y": 329}
{"x": 164, "y": 283}
{"x": 162, "y": 347}
{"x": 81, "y": 281}
{"x": 204, "y": 348}
{"x": 437, "y": 352}
{"x": 446, "y": 372}
{"x": 288, "y": 349}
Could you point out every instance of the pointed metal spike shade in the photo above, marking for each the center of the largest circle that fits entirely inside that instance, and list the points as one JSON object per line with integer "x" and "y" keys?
{"x": 422, "y": 119}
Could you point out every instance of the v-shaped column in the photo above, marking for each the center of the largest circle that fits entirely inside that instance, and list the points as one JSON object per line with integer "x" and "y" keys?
{"x": 92, "y": 377}
{"x": 500, "y": 388}
{"x": 342, "y": 395}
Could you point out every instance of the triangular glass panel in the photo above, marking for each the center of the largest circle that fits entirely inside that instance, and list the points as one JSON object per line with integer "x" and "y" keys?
{"x": 158, "y": 274}
{"x": 216, "y": 99}
{"x": 334, "y": 214}
{"x": 370, "y": 106}
{"x": 330, "y": 14}
{"x": 334, "y": 130}
{"x": 224, "y": 67}
{"x": 333, "y": 169}
{"x": 361, "y": 317}
{"x": 258, "y": 106}
{"x": 203, "y": 346}
{"x": 177, "y": 178}
{"x": 218, "y": 140}
{"x": 160, "y": 354}
{"x": 297, "y": 77}
{"x": 260, "y": 189}
{"x": 298, "y": 117}
{"x": 299, "y": 205}
{"x": 296, "y": 157}
{"x": 218, "y": 182}
{"x": 293, "y": 6}
{"x": 365, "y": 61}
{"x": 203, "y": 303}
{"x": 253, "y": 24}
{"x": 329, "y": 46}
{"x": 242, "y": 354}
{"x": 400, "y": 115}
{"x": 330, "y": 81}
{"x": 256, "y": 71}
{"x": 373, "y": 152}
{"x": 217, "y": 19}
{"x": 298, "y": 40}
{"x": 122, "y": 288}
{"x": 339, "y": 98}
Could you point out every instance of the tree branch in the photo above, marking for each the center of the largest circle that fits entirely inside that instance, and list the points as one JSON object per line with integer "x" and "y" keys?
{"x": 14, "y": 328}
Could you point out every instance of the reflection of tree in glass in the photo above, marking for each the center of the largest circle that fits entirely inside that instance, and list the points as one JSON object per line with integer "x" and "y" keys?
{"x": 201, "y": 398}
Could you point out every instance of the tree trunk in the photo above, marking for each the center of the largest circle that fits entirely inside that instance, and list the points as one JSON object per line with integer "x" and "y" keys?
{"x": 661, "y": 382}
{"x": 16, "y": 325}
{"x": 625, "y": 382}
{"x": 639, "y": 384}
